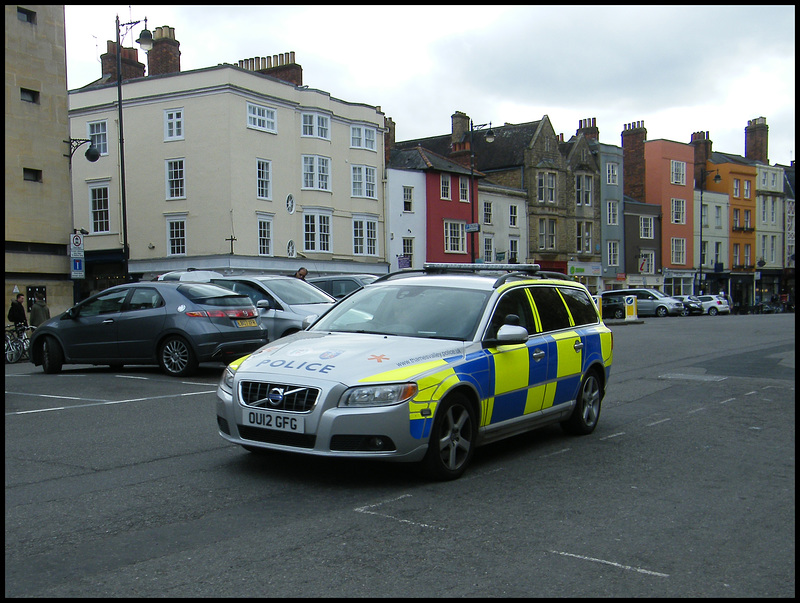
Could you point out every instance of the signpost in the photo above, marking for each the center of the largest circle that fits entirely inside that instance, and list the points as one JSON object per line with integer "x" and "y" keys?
{"x": 76, "y": 256}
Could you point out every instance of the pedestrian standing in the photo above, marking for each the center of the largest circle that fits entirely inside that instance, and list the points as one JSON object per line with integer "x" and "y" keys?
{"x": 39, "y": 312}
{"x": 16, "y": 313}
{"x": 301, "y": 273}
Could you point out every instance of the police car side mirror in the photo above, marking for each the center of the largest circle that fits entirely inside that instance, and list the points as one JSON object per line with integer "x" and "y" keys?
{"x": 507, "y": 335}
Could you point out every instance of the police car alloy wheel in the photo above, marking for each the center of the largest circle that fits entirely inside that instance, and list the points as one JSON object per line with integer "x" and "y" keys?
{"x": 452, "y": 441}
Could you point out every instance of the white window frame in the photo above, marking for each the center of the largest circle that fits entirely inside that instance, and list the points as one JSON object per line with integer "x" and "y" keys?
{"x": 736, "y": 254}
{"x": 99, "y": 215}
{"x": 173, "y": 241}
{"x": 317, "y": 230}
{"x": 365, "y": 235}
{"x": 646, "y": 224}
{"x": 612, "y": 212}
{"x": 513, "y": 216}
{"x": 316, "y": 125}
{"x": 463, "y": 189}
{"x": 546, "y": 187}
{"x": 172, "y": 181}
{"x": 363, "y": 181}
{"x": 319, "y": 176}
{"x": 583, "y": 237}
{"x": 612, "y": 253}
{"x": 264, "y": 179}
{"x": 747, "y": 185}
{"x": 677, "y": 172}
{"x": 408, "y": 199}
{"x": 648, "y": 262}
{"x": 444, "y": 186}
{"x": 455, "y": 236}
{"x": 583, "y": 190}
{"x": 97, "y": 132}
{"x": 262, "y": 118}
{"x": 264, "y": 234}
{"x": 488, "y": 249}
{"x": 362, "y": 137}
{"x": 173, "y": 124}
{"x": 487, "y": 212}
{"x": 678, "y": 251}
{"x": 612, "y": 173}
{"x": 547, "y": 233}
{"x": 678, "y": 211}
{"x": 737, "y": 187}
{"x": 513, "y": 249}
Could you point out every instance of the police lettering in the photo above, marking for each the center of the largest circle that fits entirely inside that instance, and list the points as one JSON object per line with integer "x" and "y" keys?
{"x": 309, "y": 366}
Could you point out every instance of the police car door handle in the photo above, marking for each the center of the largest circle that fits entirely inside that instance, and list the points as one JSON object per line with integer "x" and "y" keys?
{"x": 578, "y": 345}
{"x": 108, "y": 321}
{"x": 538, "y": 354}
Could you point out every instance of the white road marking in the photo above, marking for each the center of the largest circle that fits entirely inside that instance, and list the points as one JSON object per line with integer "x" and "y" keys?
{"x": 366, "y": 509}
{"x": 619, "y": 565}
{"x": 98, "y": 403}
{"x": 658, "y": 422}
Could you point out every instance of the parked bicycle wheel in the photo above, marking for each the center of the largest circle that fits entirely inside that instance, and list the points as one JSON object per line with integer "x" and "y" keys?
{"x": 14, "y": 350}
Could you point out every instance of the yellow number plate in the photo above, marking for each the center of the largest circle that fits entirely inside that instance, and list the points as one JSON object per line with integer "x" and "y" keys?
{"x": 250, "y": 322}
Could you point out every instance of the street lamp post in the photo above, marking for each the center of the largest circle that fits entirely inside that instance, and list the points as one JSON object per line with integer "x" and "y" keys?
{"x": 146, "y": 42}
{"x": 489, "y": 137}
{"x": 704, "y": 174}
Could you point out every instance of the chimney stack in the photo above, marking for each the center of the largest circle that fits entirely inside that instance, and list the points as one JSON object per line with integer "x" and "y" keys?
{"x": 756, "y": 138}
{"x": 589, "y": 128}
{"x": 389, "y": 138}
{"x": 279, "y": 66}
{"x": 702, "y": 153}
{"x": 165, "y": 56}
{"x": 131, "y": 67}
{"x": 634, "y": 135}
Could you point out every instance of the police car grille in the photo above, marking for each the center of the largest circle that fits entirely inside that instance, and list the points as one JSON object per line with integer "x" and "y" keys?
{"x": 276, "y": 396}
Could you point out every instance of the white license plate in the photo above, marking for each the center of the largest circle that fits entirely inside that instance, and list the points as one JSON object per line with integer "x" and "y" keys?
{"x": 273, "y": 420}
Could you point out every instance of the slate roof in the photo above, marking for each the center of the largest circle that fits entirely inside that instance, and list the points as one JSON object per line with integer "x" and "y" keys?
{"x": 507, "y": 150}
{"x": 420, "y": 158}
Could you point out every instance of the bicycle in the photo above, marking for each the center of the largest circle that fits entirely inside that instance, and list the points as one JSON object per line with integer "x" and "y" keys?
{"x": 18, "y": 343}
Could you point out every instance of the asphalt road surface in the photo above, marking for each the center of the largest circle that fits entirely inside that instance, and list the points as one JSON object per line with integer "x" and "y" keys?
{"x": 117, "y": 485}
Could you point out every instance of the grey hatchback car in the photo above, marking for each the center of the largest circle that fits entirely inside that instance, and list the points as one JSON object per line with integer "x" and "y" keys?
{"x": 174, "y": 324}
{"x": 283, "y": 302}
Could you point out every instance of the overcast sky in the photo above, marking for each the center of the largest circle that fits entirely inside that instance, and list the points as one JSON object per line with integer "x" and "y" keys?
{"x": 680, "y": 69}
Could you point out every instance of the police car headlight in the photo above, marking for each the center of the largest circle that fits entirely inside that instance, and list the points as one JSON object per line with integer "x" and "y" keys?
{"x": 378, "y": 395}
{"x": 226, "y": 381}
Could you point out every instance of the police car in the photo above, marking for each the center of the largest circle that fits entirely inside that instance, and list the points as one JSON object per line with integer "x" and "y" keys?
{"x": 424, "y": 366}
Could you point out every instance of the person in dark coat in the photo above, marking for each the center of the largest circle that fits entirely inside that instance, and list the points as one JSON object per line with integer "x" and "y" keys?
{"x": 16, "y": 313}
{"x": 39, "y": 312}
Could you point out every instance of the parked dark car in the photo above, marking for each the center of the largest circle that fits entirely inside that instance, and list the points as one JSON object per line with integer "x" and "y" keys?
{"x": 340, "y": 285}
{"x": 613, "y": 307}
{"x": 691, "y": 304}
{"x": 174, "y": 324}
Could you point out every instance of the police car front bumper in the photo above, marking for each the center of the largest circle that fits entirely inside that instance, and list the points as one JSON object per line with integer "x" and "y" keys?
{"x": 379, "y": 432}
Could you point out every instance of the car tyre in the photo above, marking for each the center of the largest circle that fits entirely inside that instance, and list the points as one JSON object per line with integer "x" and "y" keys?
{"x": 712, "y": 311}
{"x": 176, "y": 357}
{"x": 452, "y": 441}
{"x": 52, "y": 356}
{"x": 661, "y": 311}
{"x": 586, "y": 413}
{"x": 619, "y": 314}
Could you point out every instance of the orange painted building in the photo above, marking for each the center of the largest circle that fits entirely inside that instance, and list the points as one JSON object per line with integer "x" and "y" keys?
{"x": 669, "y": 182}
{"x": 738, "y": 181}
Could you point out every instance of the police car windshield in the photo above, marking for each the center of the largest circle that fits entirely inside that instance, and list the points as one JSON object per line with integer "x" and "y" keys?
{"x": 408, "y": 310}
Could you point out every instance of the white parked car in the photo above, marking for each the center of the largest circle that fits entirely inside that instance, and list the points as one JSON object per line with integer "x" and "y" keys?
{"x": 714, "y": 304}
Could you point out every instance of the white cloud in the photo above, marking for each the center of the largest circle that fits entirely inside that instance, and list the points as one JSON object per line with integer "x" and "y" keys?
{"x": 679, "y": 68}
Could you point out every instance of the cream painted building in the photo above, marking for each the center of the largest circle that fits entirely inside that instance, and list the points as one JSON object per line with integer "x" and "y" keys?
{"x": 229, "y": 169}
{"x": 38, "y": 212}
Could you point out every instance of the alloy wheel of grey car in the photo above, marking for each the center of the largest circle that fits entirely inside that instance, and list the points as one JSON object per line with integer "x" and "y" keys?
{"x": 176, "y": 357}
{"x": 452, "y": 440}
{"x": 661, "y": 311}
{"x": 584, "y": 417}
